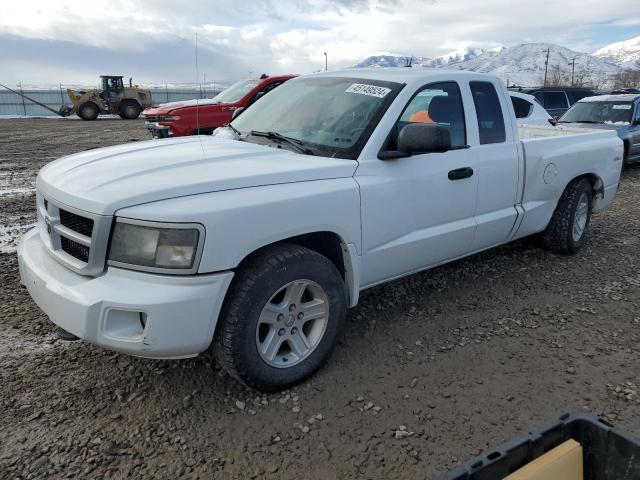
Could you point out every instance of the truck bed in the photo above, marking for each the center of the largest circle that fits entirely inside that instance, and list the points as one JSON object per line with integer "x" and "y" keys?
{"x": 555, "y": 155}
{"x": 527, "y": 132}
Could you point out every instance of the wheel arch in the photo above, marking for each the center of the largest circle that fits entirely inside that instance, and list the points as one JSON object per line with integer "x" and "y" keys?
{"x": 331, "y": 245}
{"x": 130, "y": 100}
{"x": 597, "y": 184}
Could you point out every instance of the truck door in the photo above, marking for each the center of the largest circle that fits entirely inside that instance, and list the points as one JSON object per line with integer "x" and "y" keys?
{"x": 496, "y": 160}
{"x": 413, "y": 214}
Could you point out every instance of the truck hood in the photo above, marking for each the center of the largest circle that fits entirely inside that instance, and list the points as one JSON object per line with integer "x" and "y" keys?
{"x": 621, "y": 126}
{"x": 165, "y": 108}
{"x": 104, "y": 180}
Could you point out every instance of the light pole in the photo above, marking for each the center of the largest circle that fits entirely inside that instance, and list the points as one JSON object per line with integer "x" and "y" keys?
{"x": 326, "y": 62}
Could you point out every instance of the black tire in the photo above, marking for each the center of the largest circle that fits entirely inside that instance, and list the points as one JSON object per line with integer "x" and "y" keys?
{"x": 129, "y": 110}
{"x": 559, "y": 236}
{"x": 88, "y": 111}
{"x": 255, "y": 283}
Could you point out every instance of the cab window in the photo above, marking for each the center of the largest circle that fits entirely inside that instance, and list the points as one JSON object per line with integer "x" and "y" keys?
{"x": 437, "y": 104}
{"x": 552, "y": 100}
{"x": 264, "y": 90}
{"x": 522, "y": 107}
{"x": 489, "y": 113}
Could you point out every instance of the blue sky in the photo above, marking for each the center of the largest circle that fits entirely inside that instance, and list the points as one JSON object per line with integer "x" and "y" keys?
{"x": 73, "y": 41}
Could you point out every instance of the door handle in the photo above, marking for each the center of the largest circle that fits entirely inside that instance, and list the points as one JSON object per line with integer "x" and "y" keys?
{"x": 460, "y": 173}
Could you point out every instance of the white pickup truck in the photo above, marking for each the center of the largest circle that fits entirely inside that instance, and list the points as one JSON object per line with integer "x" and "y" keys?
{"x": 254, "y": 241}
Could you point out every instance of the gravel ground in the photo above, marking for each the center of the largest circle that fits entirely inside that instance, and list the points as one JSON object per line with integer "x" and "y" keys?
{"x": 432, "y": 370}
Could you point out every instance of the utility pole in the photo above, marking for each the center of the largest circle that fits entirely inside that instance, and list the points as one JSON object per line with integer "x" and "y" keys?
{"x": 573, "y": 68}
{"x": 326, "y": 62}
{"x": 546, "y": 67}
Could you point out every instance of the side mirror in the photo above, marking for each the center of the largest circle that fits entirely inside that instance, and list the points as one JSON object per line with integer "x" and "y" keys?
{"x": 418, "y": 138}
{"x": 237, "y": 112}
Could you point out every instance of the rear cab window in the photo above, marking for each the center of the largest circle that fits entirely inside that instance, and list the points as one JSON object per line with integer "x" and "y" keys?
{"x": 491, "y": 126}
{"x": 578, "y": 95}
{"x": 522, "y": 107}
{"x": 264, "y": 90}
{"x": 551, "y": 100}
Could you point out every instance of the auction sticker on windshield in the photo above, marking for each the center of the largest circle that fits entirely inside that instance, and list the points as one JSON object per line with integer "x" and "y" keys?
{"x": 622, "y": 107}
{"x": 371, "y": 90}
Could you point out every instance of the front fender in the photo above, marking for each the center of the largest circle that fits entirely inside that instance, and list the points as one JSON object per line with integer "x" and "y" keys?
{"x": 240, "y": 221}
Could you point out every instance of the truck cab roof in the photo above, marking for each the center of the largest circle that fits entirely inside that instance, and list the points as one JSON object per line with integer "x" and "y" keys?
{"x": 404, "y": 74}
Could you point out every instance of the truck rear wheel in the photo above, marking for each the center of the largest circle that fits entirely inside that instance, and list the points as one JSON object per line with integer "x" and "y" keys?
{"x": 281, "y": 319}
{"x": 88, "y": 111}
{"x": 129, "y": 110}
{"x": 567, "y": 230}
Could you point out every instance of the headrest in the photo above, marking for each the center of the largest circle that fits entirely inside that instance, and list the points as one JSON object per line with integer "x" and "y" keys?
{"x": 443, "y": 109}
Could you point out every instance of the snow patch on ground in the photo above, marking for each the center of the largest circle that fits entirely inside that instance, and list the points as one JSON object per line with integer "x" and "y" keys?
{"x": 9, "y": 192}
{"x": 11, "y": 234}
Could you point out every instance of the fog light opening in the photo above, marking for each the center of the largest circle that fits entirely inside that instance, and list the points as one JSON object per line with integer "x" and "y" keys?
{"x": 143, "y": 320}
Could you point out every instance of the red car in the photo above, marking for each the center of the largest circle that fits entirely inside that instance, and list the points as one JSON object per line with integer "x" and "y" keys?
{"x": 178, "y": 119}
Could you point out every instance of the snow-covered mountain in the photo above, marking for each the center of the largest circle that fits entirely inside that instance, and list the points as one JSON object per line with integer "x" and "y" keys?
{"x": 626, "y": 54}
{"x": 521, "y": 64}
{"x": 456, "y": 56}
{"x": 525, "y": 64}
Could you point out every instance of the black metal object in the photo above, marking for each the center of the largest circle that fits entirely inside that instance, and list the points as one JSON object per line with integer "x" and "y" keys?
{"x": 63, "y": 111}
{"x": 66, "y": 336}
{"x": 609, "y": 454}
{"x": 82, "y": 225}
{"x": 75, "y": 249}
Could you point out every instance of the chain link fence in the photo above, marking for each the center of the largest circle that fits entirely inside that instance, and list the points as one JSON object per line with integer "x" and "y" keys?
{"x": 12, "y": 104}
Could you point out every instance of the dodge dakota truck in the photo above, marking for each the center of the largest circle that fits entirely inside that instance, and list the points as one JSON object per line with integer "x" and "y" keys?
{"x": 254, "y": 241}
{"x": 191, "y": 117}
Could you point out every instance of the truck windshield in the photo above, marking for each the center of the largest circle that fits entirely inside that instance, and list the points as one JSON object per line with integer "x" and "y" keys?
{"x": 236, "y": 91}
{"x": 329, "y": 116}
{"x": 599, "y": 112}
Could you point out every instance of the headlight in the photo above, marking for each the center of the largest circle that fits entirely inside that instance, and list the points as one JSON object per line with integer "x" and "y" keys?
{"x": 168, "y": 118}
{"x": 141, "y": 245}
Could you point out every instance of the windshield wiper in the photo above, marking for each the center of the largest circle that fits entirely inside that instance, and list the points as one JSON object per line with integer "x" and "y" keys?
{"x": 579, "y": 121}
{"x": 297, "y": 144}
{"x": 235, "y": 130}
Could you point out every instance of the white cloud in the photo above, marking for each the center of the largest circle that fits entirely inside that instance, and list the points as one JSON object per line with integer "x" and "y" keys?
{"x": 293, "y": 34}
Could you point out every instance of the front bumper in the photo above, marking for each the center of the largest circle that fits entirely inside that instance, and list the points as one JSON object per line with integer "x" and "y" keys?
{"x": 142, "y": 314}
{"x": 159, "y": 131}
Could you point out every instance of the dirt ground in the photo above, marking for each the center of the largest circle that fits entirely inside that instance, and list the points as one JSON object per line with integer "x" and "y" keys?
{"x": 462, "y": 358}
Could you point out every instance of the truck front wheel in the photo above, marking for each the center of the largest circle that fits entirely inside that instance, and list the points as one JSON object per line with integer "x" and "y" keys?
{"x": 567, "y": 230}
{"x": 281, "y": 319}
{"x": 88, "y": 111}
{"x": 129, "y": 110}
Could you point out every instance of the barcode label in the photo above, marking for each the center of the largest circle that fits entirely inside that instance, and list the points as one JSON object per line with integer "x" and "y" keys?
{"x": 371, "y": 90}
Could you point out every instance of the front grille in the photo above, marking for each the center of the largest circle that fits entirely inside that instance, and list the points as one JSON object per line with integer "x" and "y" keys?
{"x": 82, "y": 225}
{"x": 152, "y": 118}
{"x": 75, "y": 249}
{"x": 76, "y": 238}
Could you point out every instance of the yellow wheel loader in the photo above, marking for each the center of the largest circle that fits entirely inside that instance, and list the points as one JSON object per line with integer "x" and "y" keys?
{"x": 112, "y": 98}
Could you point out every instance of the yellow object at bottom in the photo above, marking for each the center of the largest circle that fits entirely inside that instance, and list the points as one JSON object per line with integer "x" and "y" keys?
{"x": 562, "y": 463}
